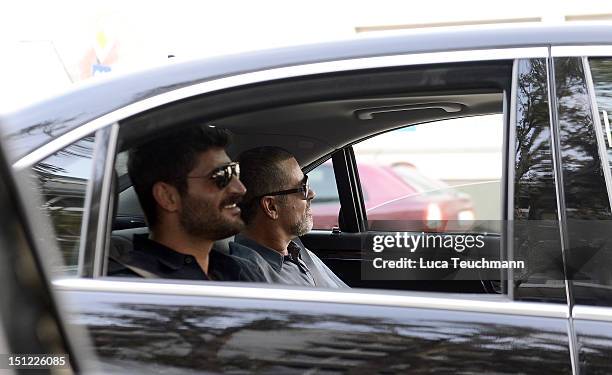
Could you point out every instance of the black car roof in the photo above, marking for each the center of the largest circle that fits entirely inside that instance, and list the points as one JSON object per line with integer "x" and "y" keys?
{"x": 28, "y": 128}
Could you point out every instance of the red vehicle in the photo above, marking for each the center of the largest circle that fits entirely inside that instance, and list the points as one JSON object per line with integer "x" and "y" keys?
{"x": 396, "y": 197}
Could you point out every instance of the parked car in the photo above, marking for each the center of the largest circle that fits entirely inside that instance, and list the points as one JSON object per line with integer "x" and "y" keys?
{"x": 394, "y": 193}
{"x": 548, "y": 83}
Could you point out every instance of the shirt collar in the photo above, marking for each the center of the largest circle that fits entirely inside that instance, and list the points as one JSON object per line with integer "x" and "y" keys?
{"x": 273, "y": 257}
{"x": 170, "y": 258}
{"x": 220, "y": 266}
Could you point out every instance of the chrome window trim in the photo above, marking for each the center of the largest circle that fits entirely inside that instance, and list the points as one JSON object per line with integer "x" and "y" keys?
{"x": 95, "y": 216}
{"x": 573, "y": 345}
{"x": 579, "y": 51}
{"x": 510, "y": 166}
{"x": 597, "y": 313}
{"x": 90, "y": 208}
{"x": 275, "y": 74}
{"x": 555, "y": 147}
{"x": 104, "y": 216}
{"x": 286, "y": 293}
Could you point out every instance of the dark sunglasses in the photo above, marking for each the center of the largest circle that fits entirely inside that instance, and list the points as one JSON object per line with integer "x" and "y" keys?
{"x": 223, "y": 174}
{"x": 304, "y": 189}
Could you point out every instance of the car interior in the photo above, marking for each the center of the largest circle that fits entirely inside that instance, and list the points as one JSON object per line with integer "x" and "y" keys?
{"x": 318, "y": 118}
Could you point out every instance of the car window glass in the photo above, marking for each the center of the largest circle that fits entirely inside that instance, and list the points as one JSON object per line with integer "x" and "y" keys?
{"x": 587, "y": 187}
{"x": 62, "y": 181}
{"x": 601, "y": 72}
{"x": 438, "y": 176}
{"x": 326, "y": 205}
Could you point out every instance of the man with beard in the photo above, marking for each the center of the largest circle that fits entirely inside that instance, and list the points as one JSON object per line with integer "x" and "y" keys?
{"x": 188, "y": 189}
{"x": 276, "y": 210}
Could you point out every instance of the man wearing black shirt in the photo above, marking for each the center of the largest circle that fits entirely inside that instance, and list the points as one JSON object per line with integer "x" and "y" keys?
{"x": 189, "y": 190}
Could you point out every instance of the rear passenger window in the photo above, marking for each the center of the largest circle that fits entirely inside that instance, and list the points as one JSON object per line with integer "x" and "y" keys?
{"x": 62, "y": 179}
{"x": 601, "y": 72}
{"x": 585, "y": 125}
{"x": 434, "y": 177}
{"x": 326, "y": 206}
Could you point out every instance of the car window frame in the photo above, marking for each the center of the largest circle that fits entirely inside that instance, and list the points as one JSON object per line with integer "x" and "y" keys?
{"x": 93, "y": 263}
{"x": 578, "y": 310}
{"x": 99, "y": 201}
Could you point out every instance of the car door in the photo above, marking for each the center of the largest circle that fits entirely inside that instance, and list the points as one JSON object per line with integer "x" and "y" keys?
{"x": 163, "y": 326}
{"x": 499, "y": 183}
{"x": 33, "y": 332}
{"x": 583, "y": 78}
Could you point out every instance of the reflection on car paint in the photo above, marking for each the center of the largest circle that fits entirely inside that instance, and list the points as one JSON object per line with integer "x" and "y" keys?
{"x": 535, "y": 226}
{"x": 229, "y": 336}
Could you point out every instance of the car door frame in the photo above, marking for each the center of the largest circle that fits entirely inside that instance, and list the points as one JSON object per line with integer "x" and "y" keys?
{"x": 98, "y": 225}
{"x": 582, "y": 315}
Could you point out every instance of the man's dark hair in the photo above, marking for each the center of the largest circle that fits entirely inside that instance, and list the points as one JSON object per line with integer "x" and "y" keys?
{"x": 169, "y": 159}
{"x": 261, "y": 173}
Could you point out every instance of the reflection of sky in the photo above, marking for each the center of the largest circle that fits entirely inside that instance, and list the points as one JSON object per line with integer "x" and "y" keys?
{"x": 231, "y": 319}
{"x": 75, "y": 160}
{"x": 72, "y": 166}
{"x": 445, "y": 150}
{"x": 330, "y": 325}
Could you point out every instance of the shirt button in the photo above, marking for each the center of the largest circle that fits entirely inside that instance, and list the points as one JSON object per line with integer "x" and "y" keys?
{"x": 188, "y": 260}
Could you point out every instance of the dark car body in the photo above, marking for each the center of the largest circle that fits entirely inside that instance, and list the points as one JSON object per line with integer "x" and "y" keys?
{"x": 555, "y": 317}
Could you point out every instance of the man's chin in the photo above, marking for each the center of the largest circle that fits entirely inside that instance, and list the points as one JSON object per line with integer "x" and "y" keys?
{"x": 232, "y": 227}
{"x": 300, "y": 231}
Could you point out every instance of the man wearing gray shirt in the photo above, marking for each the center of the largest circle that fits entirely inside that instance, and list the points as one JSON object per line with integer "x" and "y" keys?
{"x": 276, "y": 210}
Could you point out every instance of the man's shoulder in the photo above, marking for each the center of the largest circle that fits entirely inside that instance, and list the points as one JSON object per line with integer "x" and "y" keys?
{"x": 127, "y": 258}
{"x": 242, "y": 251}
{"x": 248, "y": 270}
{"x": 234, "y": 256}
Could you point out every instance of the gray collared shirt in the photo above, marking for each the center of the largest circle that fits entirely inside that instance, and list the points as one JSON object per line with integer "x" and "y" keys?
{"x": 300, "y": 267}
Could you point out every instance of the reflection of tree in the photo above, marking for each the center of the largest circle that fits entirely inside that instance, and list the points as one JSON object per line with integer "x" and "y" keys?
{"x": 282, "y": 341}
{"x": 30, "y": 137}
{"x": 535, "y": 242}
{"x": 533, "y": 158}
{"x": 585, "y": 189}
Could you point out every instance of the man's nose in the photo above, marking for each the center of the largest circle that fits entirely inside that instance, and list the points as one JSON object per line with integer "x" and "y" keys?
{"x": 235, "y": 186}
{"x": 311, "y": 194}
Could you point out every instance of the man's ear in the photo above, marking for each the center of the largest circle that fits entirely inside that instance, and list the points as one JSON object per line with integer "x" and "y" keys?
{"x": 166, "y": 196}
{"x": 269, "y": 206}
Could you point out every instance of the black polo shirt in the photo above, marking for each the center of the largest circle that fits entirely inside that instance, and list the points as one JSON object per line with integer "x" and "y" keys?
{"x": 152, "y": 259}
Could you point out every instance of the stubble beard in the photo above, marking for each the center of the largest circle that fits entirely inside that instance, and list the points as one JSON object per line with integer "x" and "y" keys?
{"x": 304, "y": 225}
{"x": 201, "y": 219}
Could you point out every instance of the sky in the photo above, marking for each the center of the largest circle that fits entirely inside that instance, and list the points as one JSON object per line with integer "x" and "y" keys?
{"x": 48, "y": 46}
